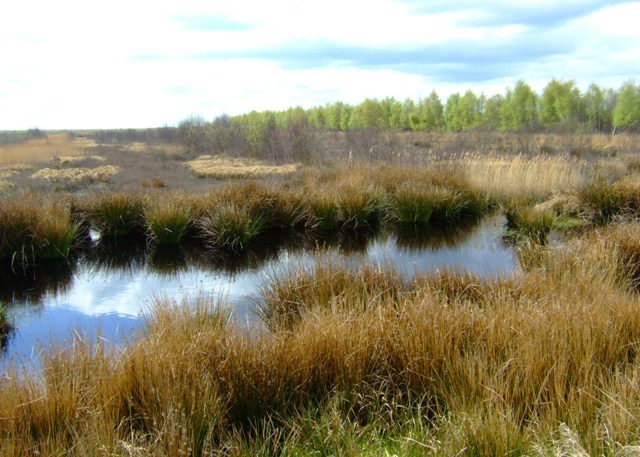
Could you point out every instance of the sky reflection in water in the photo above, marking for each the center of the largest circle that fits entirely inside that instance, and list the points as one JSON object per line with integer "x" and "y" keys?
{"x": 109, "y": 299}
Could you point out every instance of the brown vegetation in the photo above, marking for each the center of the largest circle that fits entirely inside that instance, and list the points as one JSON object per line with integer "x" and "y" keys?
{"x": 359, "y": 361}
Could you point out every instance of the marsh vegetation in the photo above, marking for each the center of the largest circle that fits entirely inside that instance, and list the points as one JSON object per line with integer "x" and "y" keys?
{"x": 542, "y": 361}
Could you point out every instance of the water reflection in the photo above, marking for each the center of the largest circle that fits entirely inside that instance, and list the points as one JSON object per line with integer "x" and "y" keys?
{"x": 411, "y": 236}
{"x": 110, "y": 286}
{"x": 30, "y": 283}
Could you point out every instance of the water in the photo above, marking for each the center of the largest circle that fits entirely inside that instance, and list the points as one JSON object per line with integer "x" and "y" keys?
{"x": 107, "y": 295}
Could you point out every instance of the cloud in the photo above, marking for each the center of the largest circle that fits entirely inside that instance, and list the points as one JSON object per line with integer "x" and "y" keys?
{"x": 212, "y": 23}
{"x": 148, "y": 63}
{"x": 538, "y": 14}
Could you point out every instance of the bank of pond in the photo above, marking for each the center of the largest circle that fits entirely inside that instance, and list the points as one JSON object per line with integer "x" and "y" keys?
{"x": 106, "y": 287}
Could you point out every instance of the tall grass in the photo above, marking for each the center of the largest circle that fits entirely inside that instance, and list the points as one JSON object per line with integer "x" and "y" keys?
{"x": 5, "y": 326}
{"x": 524, "y": 365}
{"x": 44, "y": 149}
{"x": 34, "y": 227}
{"x": 602, "y": 201}
{"x": 167, "y": 220}
{"x": 522, "y": 178}
{"x": 117, "y": 215}
{"x": 529, "y": 223}
{"x": 344, "y": 205}
{"x": 232, "y": 227}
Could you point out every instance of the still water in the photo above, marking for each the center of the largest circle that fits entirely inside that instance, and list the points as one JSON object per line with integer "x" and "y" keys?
{"x": 108, "y": 295}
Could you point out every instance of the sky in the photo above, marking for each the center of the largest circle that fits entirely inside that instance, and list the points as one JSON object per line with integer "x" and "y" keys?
{"x": 72, "y": 64}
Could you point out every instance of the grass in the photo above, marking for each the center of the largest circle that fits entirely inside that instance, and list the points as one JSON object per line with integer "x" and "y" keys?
{"x": 231, "y": 227}
{"x": 44, "y": 149}
{"x": 74, "y": 175}
{"x": 167, "y": 220}
{"x": 602, "y": 201}
{"x": 33, "y": 227}
{"x": 5, "y": 326}
{"x": 222, "y": 167}
{"x": 529, "y": 223}
{"x": 117, "y": 215}
{"x": 357, "y": 361}
{"x": 526, "y": 365}
{"x": 531, "y": 178}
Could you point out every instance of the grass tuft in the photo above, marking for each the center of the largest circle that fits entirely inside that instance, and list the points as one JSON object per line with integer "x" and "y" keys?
{"x": 231, "y": 227}
{"x": 167, "y": 221}
{"x": 117, "y": 215}
{"x": 33, "y": 227}
{"x": 529, "y": 223}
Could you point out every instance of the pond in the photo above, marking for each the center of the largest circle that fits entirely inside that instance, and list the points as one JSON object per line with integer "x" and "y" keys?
{"x": 106, "y": 295}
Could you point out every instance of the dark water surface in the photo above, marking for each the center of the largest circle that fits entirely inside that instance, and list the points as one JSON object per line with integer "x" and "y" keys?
{"x": 107, "y": 296}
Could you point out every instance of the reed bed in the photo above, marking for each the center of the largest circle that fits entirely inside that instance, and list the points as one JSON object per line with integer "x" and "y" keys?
{"x": 541, "y": 363}
{"x": 522, "y": 178}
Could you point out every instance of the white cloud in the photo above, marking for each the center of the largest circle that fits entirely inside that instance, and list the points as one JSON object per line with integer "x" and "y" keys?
{"x": 73, "y": 64}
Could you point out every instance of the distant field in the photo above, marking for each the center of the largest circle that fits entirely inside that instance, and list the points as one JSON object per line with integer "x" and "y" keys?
{"x": 44, "y": 149}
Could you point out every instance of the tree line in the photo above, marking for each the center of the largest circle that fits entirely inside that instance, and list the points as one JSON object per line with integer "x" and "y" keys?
{"x": 288, "y": 134}
{"x": 560, "y": 107}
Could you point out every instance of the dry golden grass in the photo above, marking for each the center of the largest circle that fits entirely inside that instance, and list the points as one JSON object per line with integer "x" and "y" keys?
{"x": 77, "y": 175}
{"x": 43, "y": 150}
{"x": 542, "y": 363}
{"x": 521, "y": 178}
{"x": 222, "y": 167}
{"x": 8, "y": 172}
{"x": 70, "y": 160}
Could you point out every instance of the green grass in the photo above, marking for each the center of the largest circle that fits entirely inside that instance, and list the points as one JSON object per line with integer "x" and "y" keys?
{"x": 117, "y": 215}
{"x": 231, "y": 227}
{"x": 167, "y": 221}
{"x": 33, "y": 227}
{"x": 414, "y": 203}
{"x": 529, "y": 223}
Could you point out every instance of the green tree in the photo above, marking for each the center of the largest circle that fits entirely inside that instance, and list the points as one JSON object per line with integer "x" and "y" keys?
{"x": 599, "y": 105}
{"x": 337, "y": 116}
{"x": 627, "y": 111}
{"x": 392, "y": 113}
{"x": 519, "y": 108}
{"x": 369, "y": 113}
{"x": 429, "y": 113}
{"x": 408, "y": 110}
{"x": 492, "y": 114}
{"x": 318, "y": 117}
{"x": 561, "y": 103}
{"x": 462, "y": 112}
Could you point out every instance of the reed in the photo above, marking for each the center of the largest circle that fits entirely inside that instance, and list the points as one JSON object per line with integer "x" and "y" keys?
{"x": 525, "y": 178}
